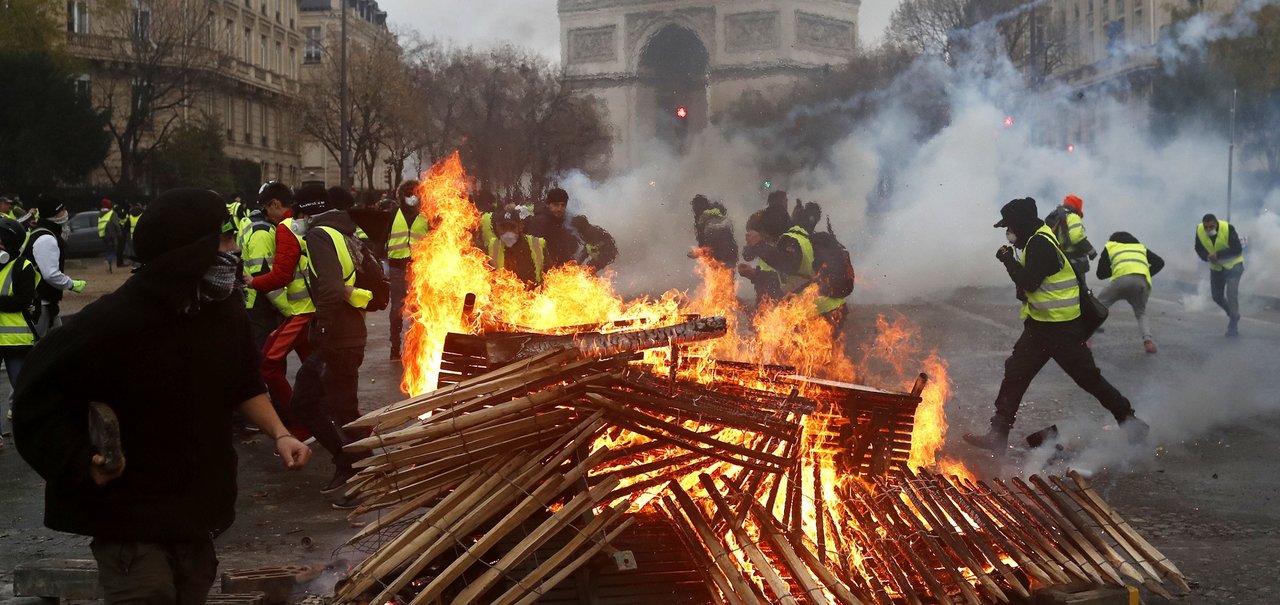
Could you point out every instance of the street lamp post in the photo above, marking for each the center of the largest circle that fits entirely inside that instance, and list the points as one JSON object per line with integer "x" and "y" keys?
{"x": 1231, "y": 151}
{"x": 344, "y": 117}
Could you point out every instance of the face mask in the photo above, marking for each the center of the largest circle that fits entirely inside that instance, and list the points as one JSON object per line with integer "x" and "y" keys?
{"x": 60, "y": 220}
{"x": 509, "y": 238}
{"x": 1211, "y": 233}
{"x": 411, "y": 201}
{"x": 222, "y": 278}
{"x": 1011, "y": 236}
{"x": 299, "y": 226}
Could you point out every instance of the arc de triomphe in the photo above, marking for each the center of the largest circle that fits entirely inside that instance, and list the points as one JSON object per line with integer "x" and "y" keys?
{"x": 647, "y": 58}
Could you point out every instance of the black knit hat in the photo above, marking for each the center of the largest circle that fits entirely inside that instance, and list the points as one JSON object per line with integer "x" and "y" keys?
{"x": 11, "y": 235}
{"x": 49, "y": 206}
{"x": 178, "y": 218}
{"x": 311, "y": 200}
{"x": 1017, "y": 212}
{"x": 275, "y": 190}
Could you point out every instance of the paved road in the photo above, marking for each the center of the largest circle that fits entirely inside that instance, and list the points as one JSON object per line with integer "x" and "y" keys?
{"x": 1203, "y": 491}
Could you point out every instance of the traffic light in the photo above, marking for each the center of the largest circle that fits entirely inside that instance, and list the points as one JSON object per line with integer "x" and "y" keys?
{"x": 1008, "y": 121}
{"x": 768, "y": 183}
{"x": 682, "y": 112}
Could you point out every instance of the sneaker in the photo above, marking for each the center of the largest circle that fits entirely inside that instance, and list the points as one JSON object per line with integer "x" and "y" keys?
{"x": 1149, "y": 345}
{"x": 995, "y": 441}
{"x": 345, "y": 503}
{"x": 339, "y": 480}
{"x": 1232, "y": 328}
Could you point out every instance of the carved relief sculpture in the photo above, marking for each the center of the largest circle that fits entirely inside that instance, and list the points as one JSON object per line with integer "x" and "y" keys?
{"x": 827, "y": 33}
{"x": 754, "y": 31}
{"x": 593, "y": 45}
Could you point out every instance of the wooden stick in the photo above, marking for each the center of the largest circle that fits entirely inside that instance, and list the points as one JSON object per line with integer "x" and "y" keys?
{"x": 573, "y": 566}
{"x": 872, "y": 545}
{"x": 937, "y": 518}
{"x": 1027, "y": 536}
{"x": 554, "y": 562}
{"x": 885, "y": 512}
{"x": 1155, "y": 557}
{"x": 1066, "y": 529}
{"x": 444, "y": 446}
{"x": 1064, "y": 505}
{"x": 723, "y": 560}
{"x": 948, "y": 560}
{"x": 535, "y": 539}
{"x": 763, "y": 566}
{"x": 984, "y": 545}
{"x": 711, "y": 574}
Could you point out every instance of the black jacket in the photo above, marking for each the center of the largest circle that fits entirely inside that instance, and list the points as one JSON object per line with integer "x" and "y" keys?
{"x": 562, "y": 244}
{"x": 1041, "y": 261}
{"x": 1234, "y": 248}
{"x": 1104, "y": 262}
{"x": 192, "y": 367}
{"x": 337, "y": 324}
{"x": 22, "y": 298}
{"x": 714, "y": 232}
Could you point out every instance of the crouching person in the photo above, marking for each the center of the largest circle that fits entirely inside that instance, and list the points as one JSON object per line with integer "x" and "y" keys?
{"x": 155, "y": 479}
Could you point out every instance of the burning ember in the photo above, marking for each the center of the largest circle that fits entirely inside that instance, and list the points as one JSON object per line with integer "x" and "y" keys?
{"x": 580, "y": 416}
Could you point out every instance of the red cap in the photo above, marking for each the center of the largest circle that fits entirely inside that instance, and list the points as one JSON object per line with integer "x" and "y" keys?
{"x": 1074, "y": 203}
{"x": 106, "y": 204}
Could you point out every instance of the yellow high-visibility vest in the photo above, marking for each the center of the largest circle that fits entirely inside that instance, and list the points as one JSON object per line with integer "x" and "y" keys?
{"x": 487, "y": 234}
{"x": 1058, "y": 297}
{"x": 403, "y": 235}
{"x": 103, "y": 220}
{"x": 347, "y": 264}
{"x": 537, "y": 249}
{"x": 1219, "y": 244}
{"x": 1128, "y": 259}
{"x": 296, "y": 293}
{"x": 14, "y": 329}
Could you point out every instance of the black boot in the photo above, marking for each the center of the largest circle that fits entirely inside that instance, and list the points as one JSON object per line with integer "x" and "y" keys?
{"x": 1233, "y": 327}
{"x": 996, "y": 440}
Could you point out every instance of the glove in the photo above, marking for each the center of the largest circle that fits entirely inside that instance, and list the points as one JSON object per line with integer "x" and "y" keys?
{"x": 1005, "y": 254}
{"x": 1093, "y": 254}
{"x": 77, "y": 285}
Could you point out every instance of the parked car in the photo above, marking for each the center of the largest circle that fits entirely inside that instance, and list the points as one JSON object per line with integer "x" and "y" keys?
{"x": 82, "y": 237}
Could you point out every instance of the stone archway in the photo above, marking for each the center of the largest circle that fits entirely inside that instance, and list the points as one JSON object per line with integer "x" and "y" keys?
{"x": 672, "y": 72}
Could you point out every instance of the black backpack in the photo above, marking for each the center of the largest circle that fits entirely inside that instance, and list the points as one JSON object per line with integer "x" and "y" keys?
{"x": 832, "y": 268}
{"x": 369, "y": 276}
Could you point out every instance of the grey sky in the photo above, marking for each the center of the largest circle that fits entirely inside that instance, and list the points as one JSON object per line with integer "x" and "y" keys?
{"x": 533, "y": 23}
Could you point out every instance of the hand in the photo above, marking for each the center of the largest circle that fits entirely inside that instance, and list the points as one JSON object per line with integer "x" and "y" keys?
{"x": 77, "y": 285}
{"x": 100, "y": 476}
{"x": 1005, "y": 254}
{"x": 1093, "y": 254}
{"x": 248, "y": 281}
{"x": 294, "y": 453}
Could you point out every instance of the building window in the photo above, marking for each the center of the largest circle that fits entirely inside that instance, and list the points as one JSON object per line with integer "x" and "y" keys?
{"x": 229, "y": 118}
{"x": 263, "y": 58}
{"x": 78, "y": 17}
{"x": 262, "y": 122}
{"x": 82, "y": 85}
{"x": 293, "y": 62}
{"x": 142, "y": 21}
{"x": 248, "y": 121}
{"x": 279, "y": 58}
{"x": 248, "y": 45}
{"x": 311, "y": 52}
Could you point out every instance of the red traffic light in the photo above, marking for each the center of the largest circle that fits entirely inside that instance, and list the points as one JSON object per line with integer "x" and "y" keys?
{"x": 681, "y": 112}
{"x": 1008, "y": 121}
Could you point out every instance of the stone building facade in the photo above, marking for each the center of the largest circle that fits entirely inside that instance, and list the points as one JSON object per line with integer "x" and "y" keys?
{"x": 647, "y": 59}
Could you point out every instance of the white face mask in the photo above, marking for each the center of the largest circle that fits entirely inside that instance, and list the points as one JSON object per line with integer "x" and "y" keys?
{"x": 61, "y": 219}
{"x": 509, "y": 238}
{"x": 411, "y": 201}
{"x": 1011, "y": 236}
{"x": 1211, "y": 233}
{"x": 299, "y": 226}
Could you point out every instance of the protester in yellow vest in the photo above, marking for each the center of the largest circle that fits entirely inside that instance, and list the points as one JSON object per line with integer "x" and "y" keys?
{"x": 1219, "y": 244}
{"x": 1052, "y": 329}
{"x": 786, "y": 250}
{"x": 266, "y": 309}
{"x": 108, "y": 231}
{"x": 1129, "y": 265}
{"x": 6, "y": 208}
{"x": 408, "y": 226}
{"x": 512, "y": 250}
{"x": 18, "y": 279}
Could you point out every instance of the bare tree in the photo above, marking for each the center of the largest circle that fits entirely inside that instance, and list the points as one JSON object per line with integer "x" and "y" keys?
{"x": 162, "y": 54}
{"x": 927, "y": 26}
{"x": 1026, "y": 31}
{"x": 375, "y": 73}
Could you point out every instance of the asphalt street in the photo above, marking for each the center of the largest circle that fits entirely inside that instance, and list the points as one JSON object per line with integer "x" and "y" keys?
{"x": 1204, "y": 490}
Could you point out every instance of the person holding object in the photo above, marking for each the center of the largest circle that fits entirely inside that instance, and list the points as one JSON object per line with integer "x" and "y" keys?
{"x": 1218, "y": 243}
{"x": 153, "y": 512}
{"x": 46, "y": 248}
{"x": 1052, "y": 328}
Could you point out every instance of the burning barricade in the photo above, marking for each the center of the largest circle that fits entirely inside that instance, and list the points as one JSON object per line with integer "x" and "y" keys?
{"x": 636, "y": 453}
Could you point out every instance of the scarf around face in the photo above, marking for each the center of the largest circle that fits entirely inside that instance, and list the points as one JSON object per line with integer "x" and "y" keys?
{"x": 221, "y": 279}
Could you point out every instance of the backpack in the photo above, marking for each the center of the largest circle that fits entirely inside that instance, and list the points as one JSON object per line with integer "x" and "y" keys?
{"x": 369, "y": 276}
{"x": 832, "y": 268}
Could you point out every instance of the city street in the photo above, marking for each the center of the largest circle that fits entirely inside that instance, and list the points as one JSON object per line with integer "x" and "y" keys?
{"x": 1204, "y": 491}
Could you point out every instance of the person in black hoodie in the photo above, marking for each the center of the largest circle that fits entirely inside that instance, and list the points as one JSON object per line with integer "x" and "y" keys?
{"x": 713, "y": 232}
{"x": 549, "y": 224}
{"x": 1129, "y": 265}
{"x": 1052, "y": 329}
{"x": 325, "y": 393}
{"x": 153, "y": 517}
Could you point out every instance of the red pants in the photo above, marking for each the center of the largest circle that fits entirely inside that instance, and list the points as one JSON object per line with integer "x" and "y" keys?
{"x": 290, "y": 336}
